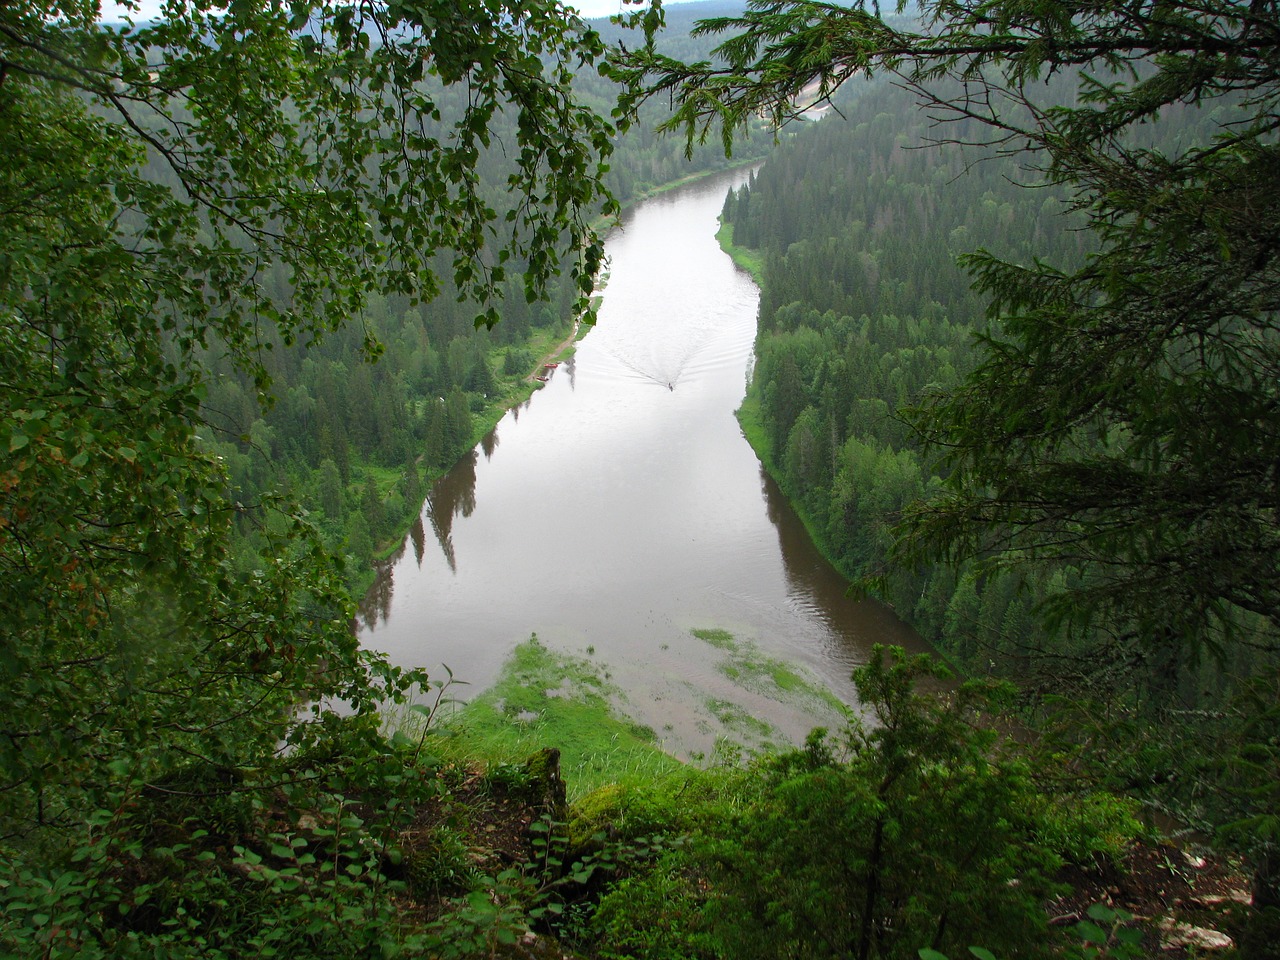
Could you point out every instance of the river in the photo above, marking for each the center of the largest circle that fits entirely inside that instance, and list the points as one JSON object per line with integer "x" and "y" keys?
{"x": 620, "y": 508}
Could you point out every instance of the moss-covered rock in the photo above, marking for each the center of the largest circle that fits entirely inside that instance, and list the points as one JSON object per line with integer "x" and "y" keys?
{"x": 602, "y": 810}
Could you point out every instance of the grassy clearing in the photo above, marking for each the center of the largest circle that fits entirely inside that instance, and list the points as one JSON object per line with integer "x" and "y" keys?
{"x": 749, "y": 260}
{"x": 545, "y": 344}
{"x": 385, "y": 478}
{"x": 547, "y": 699}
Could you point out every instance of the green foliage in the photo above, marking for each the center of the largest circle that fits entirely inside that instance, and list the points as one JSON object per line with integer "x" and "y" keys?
{"x": 440, "y": 865}
{"x": 487, "y": 920}
{"x": 1088, "y": 828}
{"x": 517, "y": 362}
{"x": 910, "y": 828}
{"x": 655, "y": 915}
{"x": 1109, "y": 932}
{"x": 287, "y": 860}
{"x": 981, "y": 953}
{"x": 903, "y": 832}
{"x": 182, "y": 204}
{"x": 556, "y": 888}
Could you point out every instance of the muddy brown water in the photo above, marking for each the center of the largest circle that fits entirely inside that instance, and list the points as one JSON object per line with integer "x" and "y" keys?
{"x": 621, "y": 507}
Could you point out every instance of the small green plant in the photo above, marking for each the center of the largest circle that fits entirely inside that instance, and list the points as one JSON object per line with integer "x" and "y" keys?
{"x": 480, "y": 924}
{"x": 980, "y": 953}
{"x": 511, "y": 779}
{"x": 440, "y": 864}
{"x": 567, "y": 875}
{"x": 654, "y": 915}
{"x": 1085, "y": 827}
{"x": 1108, "y": 932}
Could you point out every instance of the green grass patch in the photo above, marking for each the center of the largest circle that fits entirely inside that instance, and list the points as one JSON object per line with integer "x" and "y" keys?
{"x": 722, "y": 639}
{"x": 549, "y": 699}
{"x": 736, "y": 719}
{"x": 543, "y": 341}
{"x": 750, "y": 260}
{"x": 784, "y": 678}
{"x": 385, "y": 478}
{"x": 752, "y": 670}
{"x": 753, "y": 427}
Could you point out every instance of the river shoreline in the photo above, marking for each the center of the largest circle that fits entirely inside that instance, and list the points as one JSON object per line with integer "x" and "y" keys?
{"x": 670, "y": 534}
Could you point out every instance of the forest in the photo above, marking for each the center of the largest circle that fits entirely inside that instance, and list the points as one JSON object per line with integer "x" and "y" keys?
{"x": 928, "y": 259}
{"x": 267, "y": 269}
{"x": 860, "y": 223}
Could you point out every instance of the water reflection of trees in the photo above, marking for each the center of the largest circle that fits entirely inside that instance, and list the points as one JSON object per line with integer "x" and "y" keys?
{"x": 489, "y": 443}
{"x": 854, "y": 625}
{"x": 376, "y": 604}
{"x": 418, "y": 534}
{"x": 454, "y": 494}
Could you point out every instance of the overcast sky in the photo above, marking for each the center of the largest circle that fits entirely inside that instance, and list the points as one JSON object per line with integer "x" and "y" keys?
{"x": 151, "y": 8}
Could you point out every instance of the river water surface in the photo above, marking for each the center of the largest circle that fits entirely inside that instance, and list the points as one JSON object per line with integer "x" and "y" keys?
{"x": 620, "y": 508}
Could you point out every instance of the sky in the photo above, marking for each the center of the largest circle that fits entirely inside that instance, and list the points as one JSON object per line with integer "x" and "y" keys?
{"x": 151, "y": 8}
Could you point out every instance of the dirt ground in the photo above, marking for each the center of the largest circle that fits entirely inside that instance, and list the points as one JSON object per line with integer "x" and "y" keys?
{"x": 1167, "y": 890}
